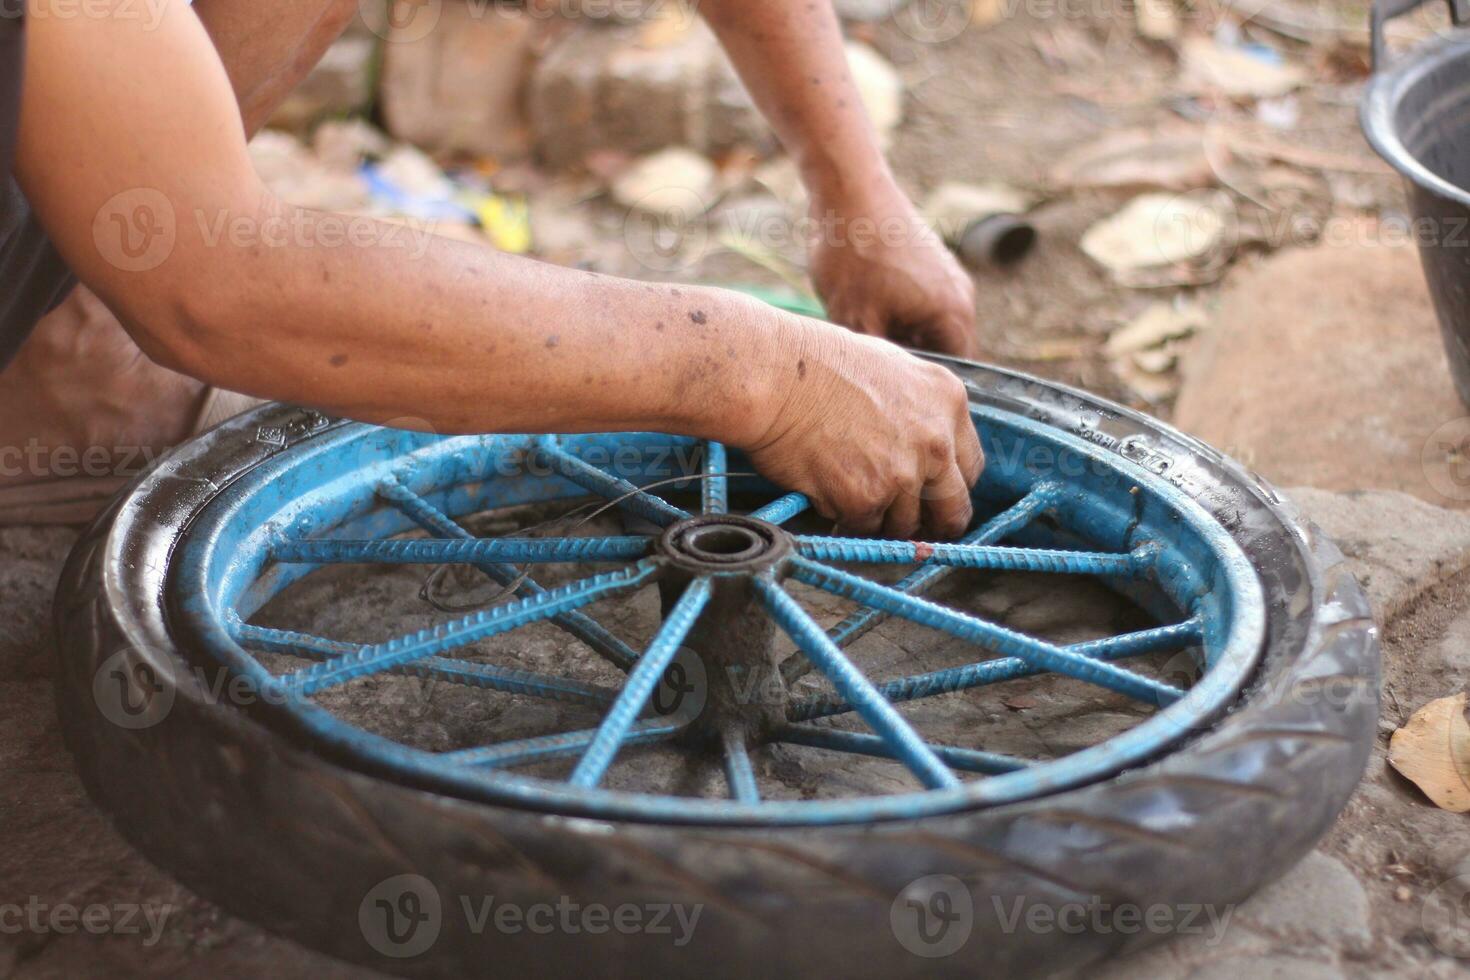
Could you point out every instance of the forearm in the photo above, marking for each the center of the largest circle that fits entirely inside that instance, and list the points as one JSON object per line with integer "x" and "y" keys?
{"x": 790, "y": 57}
{"x": 473, "y": 340}
{"x": 151, "y": 198}
{"x": 269, "y": 46}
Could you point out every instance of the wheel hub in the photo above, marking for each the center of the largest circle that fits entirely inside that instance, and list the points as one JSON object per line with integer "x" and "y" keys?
{"x": 711, "y": 544}
{"x": 739, "y": 691}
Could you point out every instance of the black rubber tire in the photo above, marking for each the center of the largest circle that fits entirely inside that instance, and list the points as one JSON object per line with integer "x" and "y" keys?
{"x": 294, "y": 842}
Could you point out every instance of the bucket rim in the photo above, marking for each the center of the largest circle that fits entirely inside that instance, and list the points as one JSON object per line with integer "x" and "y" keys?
{"x": 1384, "y": 92}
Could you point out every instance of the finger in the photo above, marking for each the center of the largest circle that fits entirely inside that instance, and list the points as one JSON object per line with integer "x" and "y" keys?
{"x": 967, "y": 450}
{"x": 947, "y": 506}
{"x": 863, "y": 520}
{"x": 958, "y": 331}
{"x": 902, "y": 519}
{"x": 940, "y": 334}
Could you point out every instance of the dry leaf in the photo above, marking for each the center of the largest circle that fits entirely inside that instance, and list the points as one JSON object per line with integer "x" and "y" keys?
{"x": 1156, "y": 361}
{"x": 1150, "y": 387}
{"x": 1156, "y": 324}
{"x": 1433, "y": 752}
{"x": 1155, "y": 230}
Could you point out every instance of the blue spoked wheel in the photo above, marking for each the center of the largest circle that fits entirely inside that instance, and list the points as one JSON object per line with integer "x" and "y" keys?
{"x": 742, "y": 668}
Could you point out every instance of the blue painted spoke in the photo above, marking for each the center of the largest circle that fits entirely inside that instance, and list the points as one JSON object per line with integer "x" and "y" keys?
{"x": 470, "y": 629}
{"x": 1187, "y": 633}
{"x": 738, "y": 771}
{"x": 430, "y": 518}
{"x": 640, "y": 684}
{"x": 716, "y": 483}
{"x": 993, "y": 557}
{"x": 901, "y": 738}
{"x": 968, "y": 760}
{"x": 783, "y": 509}
{"x": 626, "y": 495}
{"x": 438, "y": 551}
{"x": 1045, "y": 656}
{"x": 466, "y": 672}
{"x": 560, "y": 746}
{"x": 1007, "y": 522}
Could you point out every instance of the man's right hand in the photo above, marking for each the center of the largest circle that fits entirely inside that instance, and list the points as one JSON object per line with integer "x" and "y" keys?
{"x": 881, "y": 441}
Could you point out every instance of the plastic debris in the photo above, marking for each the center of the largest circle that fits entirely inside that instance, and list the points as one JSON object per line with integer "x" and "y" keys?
{"x": 506, "y": 221}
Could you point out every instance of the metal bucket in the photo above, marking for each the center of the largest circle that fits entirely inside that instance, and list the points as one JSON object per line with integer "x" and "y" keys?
{"x": 1416, "y": 114}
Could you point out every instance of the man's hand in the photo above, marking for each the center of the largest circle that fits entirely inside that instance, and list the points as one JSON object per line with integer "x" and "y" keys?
{"x": 880, "y": 440}
{"x": 882, "y": 271}
{"x": 904, "y": 285}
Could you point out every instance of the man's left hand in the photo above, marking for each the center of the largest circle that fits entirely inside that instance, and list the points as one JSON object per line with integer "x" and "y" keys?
{"x": 880, "y": 270}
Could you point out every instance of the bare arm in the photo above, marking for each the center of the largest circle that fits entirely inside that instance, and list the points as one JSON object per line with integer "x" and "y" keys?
{"x": 268, "y": 46}
{"x": 790, "y": 57}
{"x": 878, "y": 267}
{"x": 136, "y": 132}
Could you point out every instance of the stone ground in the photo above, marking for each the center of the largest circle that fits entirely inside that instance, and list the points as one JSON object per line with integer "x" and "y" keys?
{"x": 1323, "y": 367}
